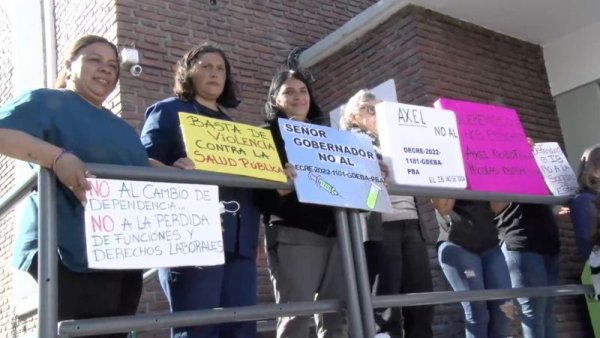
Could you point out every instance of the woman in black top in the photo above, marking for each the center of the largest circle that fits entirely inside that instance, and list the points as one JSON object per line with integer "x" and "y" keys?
{"x": 471, "y": 259}
{"x": 300, "y": 238}
{"x": 531, "y": 246}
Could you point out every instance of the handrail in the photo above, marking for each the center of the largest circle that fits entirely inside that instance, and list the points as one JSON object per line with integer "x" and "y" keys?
{"x": 202, "y": 177}
{"x": 353, "y": 261}
{"x": 412, "y": 190}
{"x": 173, "y": 175}
{"x": 443, "y": 297}
{"x": 86, "y": 327}
{"x": 18, "y": 192}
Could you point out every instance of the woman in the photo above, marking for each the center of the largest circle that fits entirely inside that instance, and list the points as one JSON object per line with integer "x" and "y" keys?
{"x": 471, "y": 259}
{"x": 60, "y": 130}
{"x": 402, "y": 262}
{"x": 531, "y": 245}
{"x": 582, "y": 209}
{"x": 302, "y": 252}
{"x": 204, "y": 85}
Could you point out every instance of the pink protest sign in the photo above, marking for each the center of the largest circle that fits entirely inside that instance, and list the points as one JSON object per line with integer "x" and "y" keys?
{"x": 495, "y": 150}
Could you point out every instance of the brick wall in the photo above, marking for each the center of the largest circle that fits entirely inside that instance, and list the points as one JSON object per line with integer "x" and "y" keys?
{"x": 77, "y": 18}
{"x": 6, "y": 54}
{"x": 6, "y": 172}
{"x": 430, "y": 55}
{"x": 256, "y": 36}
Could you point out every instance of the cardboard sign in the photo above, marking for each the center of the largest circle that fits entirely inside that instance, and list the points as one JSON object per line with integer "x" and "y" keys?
{"x": 553, "y": 164}
{"x": 140, "y": 225}
{"x": 334, "y": 167}
{"x": 231, "y": 148}
{"x": 495, "y": 151}
{"x": 421, "y": 145}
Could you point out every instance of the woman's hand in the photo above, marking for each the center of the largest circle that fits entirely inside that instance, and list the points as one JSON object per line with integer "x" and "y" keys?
{"x": 184, "y": 163}
{"x": 443, "y": 205}
{"x": 72, "y": 172}
{"x": 385, "y": 171}
{"x": 290, "y": 173}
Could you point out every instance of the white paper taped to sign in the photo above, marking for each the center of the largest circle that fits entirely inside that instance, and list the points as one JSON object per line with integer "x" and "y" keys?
{"x": 139, "y": 225}
{"x": 421, "y": 145}
{"x": 553, "y": 164}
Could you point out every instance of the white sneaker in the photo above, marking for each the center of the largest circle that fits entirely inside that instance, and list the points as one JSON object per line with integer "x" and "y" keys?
{"x": 382, "y": 335}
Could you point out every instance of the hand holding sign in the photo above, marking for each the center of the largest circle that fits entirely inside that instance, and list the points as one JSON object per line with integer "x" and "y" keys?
{"x": 138, "y": 225}
{"x": 231, "y": 148}
{"x": 421, "y": 144}
{"x": 333, "y": 167}
{"x": 557, "y": 172}
{"x": 495, "y": 151}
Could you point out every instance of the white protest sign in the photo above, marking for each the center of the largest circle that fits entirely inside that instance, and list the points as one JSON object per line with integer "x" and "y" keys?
{"x": 553, "y": 164}
{"x": 421, "y": 145}
{"x": 140, "y": 225}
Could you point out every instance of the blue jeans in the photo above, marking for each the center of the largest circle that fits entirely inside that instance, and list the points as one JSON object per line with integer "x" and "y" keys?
{"x": 228, "y": 285}
{"x": 466, "y": 270}
{"x": 533, "y": 269}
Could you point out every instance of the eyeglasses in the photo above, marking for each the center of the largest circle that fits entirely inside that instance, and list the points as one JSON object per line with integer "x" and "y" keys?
{"x": 369, "y": 109}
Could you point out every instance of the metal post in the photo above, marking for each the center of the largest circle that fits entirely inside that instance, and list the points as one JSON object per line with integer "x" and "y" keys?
{"x": 362, "y": 275}
{"x": 47, "y": 255}
{"x": 355, "y": 327}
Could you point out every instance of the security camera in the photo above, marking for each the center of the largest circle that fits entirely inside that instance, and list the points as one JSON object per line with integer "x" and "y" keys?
{"x": 136, "y": 70}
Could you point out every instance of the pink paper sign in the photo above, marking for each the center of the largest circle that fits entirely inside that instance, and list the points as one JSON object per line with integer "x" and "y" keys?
{"x": 495, "y": 150}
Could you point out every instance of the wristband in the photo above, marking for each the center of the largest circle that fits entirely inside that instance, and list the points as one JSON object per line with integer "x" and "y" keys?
{"x": 58, "y": 156}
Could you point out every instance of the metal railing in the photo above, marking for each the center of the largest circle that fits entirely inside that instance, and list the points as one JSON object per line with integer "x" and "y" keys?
{"x": 358, "y": 303}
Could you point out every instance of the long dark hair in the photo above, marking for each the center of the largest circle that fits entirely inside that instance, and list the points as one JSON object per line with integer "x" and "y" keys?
{"x": 184, "y": 85}
{"x": 314, "y": 111}
{"x": 73, "y": 52}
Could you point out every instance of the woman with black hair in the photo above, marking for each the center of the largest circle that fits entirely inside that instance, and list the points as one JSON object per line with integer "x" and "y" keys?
{"x": 204, "y": 86}
{"x": 302, "y": 252}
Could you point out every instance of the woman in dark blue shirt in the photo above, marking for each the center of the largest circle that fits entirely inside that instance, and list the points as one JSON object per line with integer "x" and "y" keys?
{"x": 204, "y": 85}
{"x": 582, "y": 209}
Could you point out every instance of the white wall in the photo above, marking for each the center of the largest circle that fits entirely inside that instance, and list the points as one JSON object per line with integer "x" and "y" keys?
{"x": 28, "y": 73}
{"x": 579, "y": 115}
{"x": 573, "y": 60}
{"x": 28, "y": 47}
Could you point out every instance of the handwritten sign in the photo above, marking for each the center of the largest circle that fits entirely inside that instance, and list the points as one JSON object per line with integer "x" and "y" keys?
{"x": 495, "y": 151}
{"x": 553, "y": 164}
{"x": 231, "y": 148}
{"x": 334, "y": 167}
{"x": 421, "y": 145}
{"x": 139, "y": 225}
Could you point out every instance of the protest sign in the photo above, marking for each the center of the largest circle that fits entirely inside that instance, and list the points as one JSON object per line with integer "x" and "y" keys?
{"x": 553, "y": 164}
{"x": 421, "y": 145}
{"x": 334, "y": 167}
{"x": 139, "y": 225}
{"x": 230, "y": 147}
{"x": 495, "y": 151}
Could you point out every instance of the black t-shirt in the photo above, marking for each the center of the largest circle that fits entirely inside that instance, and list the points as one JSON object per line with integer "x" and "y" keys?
{"x": 315, "y": 218}
{"x": 471, "y": 226}
{"x": 529, "y": 227}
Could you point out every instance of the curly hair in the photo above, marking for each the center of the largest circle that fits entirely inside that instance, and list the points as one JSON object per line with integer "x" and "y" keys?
{"x": 352, "y": 108}
{"x": 184, "y": 84}
{"x": 73, "y": 52}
